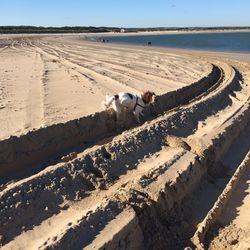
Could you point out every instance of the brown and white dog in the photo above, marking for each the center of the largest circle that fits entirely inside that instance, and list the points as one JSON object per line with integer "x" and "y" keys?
{"x": 129, "y": 103}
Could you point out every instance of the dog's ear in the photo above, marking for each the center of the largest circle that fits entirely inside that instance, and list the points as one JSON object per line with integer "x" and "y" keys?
{"x": 152, "y": 95}
{"x": 148, "y": 96}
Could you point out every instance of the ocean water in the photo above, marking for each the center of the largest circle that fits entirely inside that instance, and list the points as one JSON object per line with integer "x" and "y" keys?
{"x": 224, "y": 41}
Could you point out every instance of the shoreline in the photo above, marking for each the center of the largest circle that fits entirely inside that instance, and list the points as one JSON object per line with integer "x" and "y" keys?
{"x": 231, "y": 54}
{"x": 99, "y": 37}
{"x": 184, "y": 51}
{"x": 85, "y": 37}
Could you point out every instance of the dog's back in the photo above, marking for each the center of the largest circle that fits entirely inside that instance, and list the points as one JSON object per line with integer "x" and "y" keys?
{"x": 127, "y": 100}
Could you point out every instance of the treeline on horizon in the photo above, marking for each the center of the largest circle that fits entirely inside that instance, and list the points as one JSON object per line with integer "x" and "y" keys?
{"x": 44, "y": 30}
{"x": 91, "y": 29}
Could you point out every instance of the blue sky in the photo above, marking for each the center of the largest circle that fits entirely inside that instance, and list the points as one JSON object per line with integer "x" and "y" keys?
{"x": 125, "y": 13}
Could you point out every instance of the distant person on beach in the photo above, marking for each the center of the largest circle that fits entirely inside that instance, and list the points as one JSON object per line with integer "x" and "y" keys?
{"x": 149, "y": 43}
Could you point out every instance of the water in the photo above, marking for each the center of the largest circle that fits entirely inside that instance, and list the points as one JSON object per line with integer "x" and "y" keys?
{"x": 224, "y": 41}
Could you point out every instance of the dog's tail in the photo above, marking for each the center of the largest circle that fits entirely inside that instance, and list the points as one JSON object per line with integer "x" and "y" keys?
{"x": 108, "y": 101}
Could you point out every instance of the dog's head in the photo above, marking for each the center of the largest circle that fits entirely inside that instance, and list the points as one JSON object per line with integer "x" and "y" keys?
{"x": 147, "y": 96}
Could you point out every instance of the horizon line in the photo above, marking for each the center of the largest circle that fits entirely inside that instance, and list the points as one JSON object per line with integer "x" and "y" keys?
{"x": 123, "y": 27}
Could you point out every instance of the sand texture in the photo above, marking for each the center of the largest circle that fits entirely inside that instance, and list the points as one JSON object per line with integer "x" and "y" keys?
{"x": 47, "y": 82}
{"x": 73, "y": 177}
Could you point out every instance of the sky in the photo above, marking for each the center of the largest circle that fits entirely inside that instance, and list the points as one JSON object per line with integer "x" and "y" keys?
{"x": 126, "y": 13}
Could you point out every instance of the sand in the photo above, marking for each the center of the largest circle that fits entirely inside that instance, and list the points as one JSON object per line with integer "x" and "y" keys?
{"x": 54, "y": 80}
{"x": 72, "y": 177}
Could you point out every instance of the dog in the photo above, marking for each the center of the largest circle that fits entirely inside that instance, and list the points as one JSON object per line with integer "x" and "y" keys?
{"x": 126, "y": 102}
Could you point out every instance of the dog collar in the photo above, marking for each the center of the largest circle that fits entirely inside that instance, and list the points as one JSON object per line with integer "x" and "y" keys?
{"x": 137, "y": 104}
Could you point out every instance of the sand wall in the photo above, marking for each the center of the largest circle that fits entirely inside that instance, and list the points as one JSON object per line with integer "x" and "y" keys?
{"x": 221, "y": 202}
{"x": 17, "y": 153}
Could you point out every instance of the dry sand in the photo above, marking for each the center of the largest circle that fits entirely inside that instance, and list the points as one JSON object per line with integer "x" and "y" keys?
{"x": 148, "y": 187}
{"x": 54, "y": 80}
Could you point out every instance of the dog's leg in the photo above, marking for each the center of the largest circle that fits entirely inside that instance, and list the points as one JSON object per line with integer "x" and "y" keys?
{"x": 117, "y": 108}
{"x": 137, "y": 116}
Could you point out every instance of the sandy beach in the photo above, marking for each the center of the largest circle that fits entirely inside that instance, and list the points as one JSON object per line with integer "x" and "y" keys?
{"x": 72, "y": 177}
{"x": 56, "y": 79}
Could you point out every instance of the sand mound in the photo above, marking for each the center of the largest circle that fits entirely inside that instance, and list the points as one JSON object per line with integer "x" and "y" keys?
{"x": 176, "y": 142}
